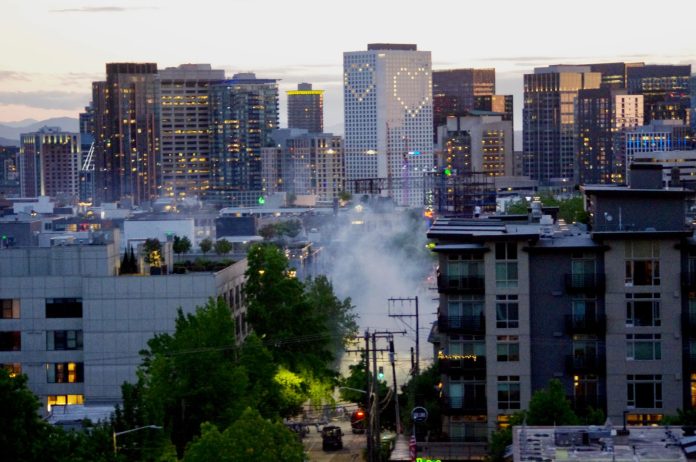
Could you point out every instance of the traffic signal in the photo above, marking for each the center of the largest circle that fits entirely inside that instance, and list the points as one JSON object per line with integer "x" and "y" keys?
{"x": 380, "y": 373}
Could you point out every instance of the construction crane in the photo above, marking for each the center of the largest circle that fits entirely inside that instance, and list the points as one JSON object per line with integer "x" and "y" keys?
{"x": 88, "y": 162}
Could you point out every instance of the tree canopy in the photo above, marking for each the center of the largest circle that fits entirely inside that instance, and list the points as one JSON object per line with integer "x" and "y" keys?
{"x": 181, "y": 244}
{"x": 250, "y": 438}
{"x": 206, "y": 245}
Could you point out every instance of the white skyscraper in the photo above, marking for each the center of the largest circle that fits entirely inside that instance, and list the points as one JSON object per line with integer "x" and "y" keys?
{"x": 389, "y": 117}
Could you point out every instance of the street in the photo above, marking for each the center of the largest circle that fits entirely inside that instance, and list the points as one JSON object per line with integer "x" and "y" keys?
{"x": 353, "y": 445}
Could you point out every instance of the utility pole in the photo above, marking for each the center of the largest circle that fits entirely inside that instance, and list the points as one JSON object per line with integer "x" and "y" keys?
{"x": 414, "y": 300}
{"x": 396, "y": 391}
{"x": 368, "y": 399}
{"x": 375, "y": 399}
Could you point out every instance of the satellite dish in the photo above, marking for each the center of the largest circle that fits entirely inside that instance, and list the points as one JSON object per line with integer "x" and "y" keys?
{"x": 608, "y": 217}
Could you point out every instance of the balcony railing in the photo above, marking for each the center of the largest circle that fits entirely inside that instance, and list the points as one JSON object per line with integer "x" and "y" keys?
{"x": 688, "y": 280}
{"x": 463, "y": 405}
{"x": 584, "y": 283}
{"x": 575, "y": 324}
{"x": 461, "y": 284}
{"x": 462, "y": 324}
{"x": 582, "y": 402}
{"x": 689, "y": 324}
{"x": 457, "y": 364}
{"x": 590, "y": 364}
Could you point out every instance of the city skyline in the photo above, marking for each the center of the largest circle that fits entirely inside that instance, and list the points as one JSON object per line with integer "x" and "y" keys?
{"x": 38, "y": 81}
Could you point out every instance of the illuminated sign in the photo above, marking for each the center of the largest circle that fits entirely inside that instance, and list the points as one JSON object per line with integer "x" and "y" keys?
{"x": 425, "y": 459}
{"x": 441, "y": 355}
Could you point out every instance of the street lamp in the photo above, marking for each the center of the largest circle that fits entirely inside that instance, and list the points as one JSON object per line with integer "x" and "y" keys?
{"x": 115, "y": 434}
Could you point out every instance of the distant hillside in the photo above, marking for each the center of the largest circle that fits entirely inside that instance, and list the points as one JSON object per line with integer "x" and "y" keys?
{"x": 8, "y": 142}
{"x": 12, "y": 130}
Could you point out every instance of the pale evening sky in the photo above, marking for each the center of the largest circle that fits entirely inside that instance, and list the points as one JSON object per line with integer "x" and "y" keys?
{"x": 52, "y": 50}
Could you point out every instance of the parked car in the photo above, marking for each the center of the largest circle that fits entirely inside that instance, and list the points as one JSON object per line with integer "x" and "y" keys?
{"x": 331, "y": 438}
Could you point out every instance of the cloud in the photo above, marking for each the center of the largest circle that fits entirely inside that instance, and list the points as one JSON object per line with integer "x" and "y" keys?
{"x": 101, "y": 9}
{"x": 14, "y": 75}
{"x": 45, "y": 99}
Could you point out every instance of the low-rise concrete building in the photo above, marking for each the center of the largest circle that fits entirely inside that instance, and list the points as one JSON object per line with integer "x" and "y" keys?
{"x": 76, "y": 327}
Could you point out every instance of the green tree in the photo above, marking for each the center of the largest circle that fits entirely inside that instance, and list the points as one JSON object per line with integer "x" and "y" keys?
{"x": 423, "y": 390}
{"x": 550, "y": 406}
{"x": 249, "y": 438}
{"x": 223, "y": 247}
{"x": 517, "y": 208}
{"x": 268, "y": 231}
{"x": 192, "y": 377}
{"x": 345, "y": 196}
{"x": 206, "y": 245}
{"x": 357, "y": 380}
{"x": 289, "y": 228}
{"x": 21, "y": 429}
{"x": 281, "y": 315}
{"x": 339, "y": 315}
{"x": 572, "y": 210}
{"x": 181, "y": 245}
{"x": 153, "y": 252}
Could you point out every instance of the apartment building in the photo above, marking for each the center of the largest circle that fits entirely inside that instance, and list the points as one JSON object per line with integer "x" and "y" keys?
{"x": 609, "y": 311}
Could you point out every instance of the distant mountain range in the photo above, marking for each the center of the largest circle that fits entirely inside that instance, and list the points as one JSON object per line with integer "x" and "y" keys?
{"x": 10, "y": 131}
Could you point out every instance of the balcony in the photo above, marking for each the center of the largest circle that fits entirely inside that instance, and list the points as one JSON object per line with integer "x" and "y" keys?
{"x": 458, "y": 364}
{"x": 590, "y": 364}
{"x": 575, "y": 324}
{"x": 462, "y": 405}
{"x": 689, "y": 324}
{"x": 688, "y": 280}
{"x": 582, "y": 402}
{"x": 690, "y": 359}
{"x": 460, "y": 284}
{"x": 588, "y": 283}
{"x": 462, "y": 324}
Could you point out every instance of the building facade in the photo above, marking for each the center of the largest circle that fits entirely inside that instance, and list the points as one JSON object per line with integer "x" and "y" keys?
{"x": 601, "y": 115}
{"x": 480, "y": 143}
{"x": 49, "y": 163}
{"x": 306, "y": 108}
{"x": 388, "y": 117}
{"x": 185, "y": 128}
{"x": 455, "y": 91}
{"x": 127, "y": 125}
{"x": 75, "y": 327}
{"x": 9, "y": 174}
{"x": 549, "y": 121}
{"x": 666, "y": 91}
{"x": 607, "y": 312}
{"x": 244, "y": 113}
{"x": 658, "y": 136}
{"x": 502, "y": 104}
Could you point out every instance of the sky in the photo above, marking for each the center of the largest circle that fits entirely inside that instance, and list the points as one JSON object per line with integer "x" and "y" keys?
{"x": 51, "y": 51}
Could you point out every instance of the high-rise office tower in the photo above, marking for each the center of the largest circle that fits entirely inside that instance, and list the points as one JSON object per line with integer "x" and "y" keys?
{"x": 388, "y": 116}
{"x": 455, "y": 91}
{"x": 665, "y": 89}
{"x": 614, "y": 75}
{"x": 86, "y": 172}
{"x": 9, "y": 178}
{"x": 244, "y": 112}
{"x": 601, "y": 115}
{"x": 549, "y": 120}
{"x": 127, "y": 124}
{"x": 477, "y": 144}
{"x": 185, "y": 128}
{"x": 306, "y": 108}
{"x": 502, "y": 104}
{"x": 49, "y": 163}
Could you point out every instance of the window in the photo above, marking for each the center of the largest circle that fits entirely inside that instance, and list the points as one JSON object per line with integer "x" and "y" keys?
{"x": 507, "y": 312}
{"x": 642, "y": 263}
{"x": 584, "y": 311}
{"x": 10, "y": 308}
{"x": 467, "y": 345}
{"x": 463, "y": 269}
{"x": 64, "y": 373}
{"x": 464, "y": 310}
{"x": 64, "y": 400}
{"x": 63, "y": 307}
{"x": 14, "y": 369}
{"x": 644, "y": 391}
{"x": 64, "y": 340}
{"x": 643, "y": 309}
{"x": 506, "y": 264}
{"x": 508, "y": 392}
{"x": 508, "y": 348}
{"x": 643, "y": 347}
{"x": 10, "y": 341}
{"x": 586, "y": 390}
